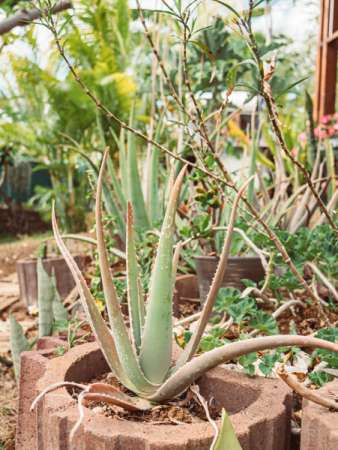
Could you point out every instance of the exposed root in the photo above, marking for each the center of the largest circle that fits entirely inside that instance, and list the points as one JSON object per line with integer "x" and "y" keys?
{"x": 195, "y": 390}
{"x": 53, "y": 387}
{"x": 304, "y": 392}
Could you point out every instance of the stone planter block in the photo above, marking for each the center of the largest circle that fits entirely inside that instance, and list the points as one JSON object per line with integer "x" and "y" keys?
{"x": 319, "y": 425}
{"x": 260, "y": 411}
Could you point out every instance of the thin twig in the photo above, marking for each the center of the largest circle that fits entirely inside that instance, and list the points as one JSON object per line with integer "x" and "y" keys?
{"x": 304, "y": 392}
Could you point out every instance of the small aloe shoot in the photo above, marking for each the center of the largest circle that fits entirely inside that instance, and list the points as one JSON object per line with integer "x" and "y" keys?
{"x": 18, "y": 343}
{"x": 226, "y": 439}
{"x": 143, "y": 363}
{"x": 51, "y": 308}
{"x": 46, "y": 292}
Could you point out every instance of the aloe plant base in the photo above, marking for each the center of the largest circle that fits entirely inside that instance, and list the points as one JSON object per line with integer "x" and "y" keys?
{"x": 259, "y": 409}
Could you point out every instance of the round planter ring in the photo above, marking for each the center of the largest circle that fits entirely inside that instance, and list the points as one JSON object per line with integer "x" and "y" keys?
{"x": 259, "y": 408}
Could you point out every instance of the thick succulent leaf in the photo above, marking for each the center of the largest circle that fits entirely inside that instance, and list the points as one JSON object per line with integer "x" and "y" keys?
{"x": 191, "y": 371}
{"x": 133, "y": 282}
{"x": 152, "y": 172}
{"x": 226, "y": 438}
{"x": 46, "y": 294}
{"x": 118, "y": 328}
{"x": 193, "y": 344}
{"x": 60, "y": 313}
{"x": 121, "y": 145}
{"x": 112, "y": 205}
{"x": 135, "y": 193}
{"x": 121, "y": 198}
{"x": 156, "y": 347}
{"x": 18, "y": 343}
{"x": 98, "y": 325}
{"x": 111, "y": 395}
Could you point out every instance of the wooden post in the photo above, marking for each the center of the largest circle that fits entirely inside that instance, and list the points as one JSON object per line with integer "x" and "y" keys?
{"x": 326, "y": 71}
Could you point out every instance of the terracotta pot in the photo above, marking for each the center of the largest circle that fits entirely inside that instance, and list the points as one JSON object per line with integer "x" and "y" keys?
{"x": 28, "y": 280}
{"x": 242, "y": 267}
{"x": 259, "y": 408}
{"x": 319, "y": 425}
{"x": 186, "y": 289}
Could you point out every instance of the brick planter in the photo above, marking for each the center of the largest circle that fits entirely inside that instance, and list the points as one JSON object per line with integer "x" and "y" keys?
{"x": 259, "y": 408}
{"x": 319, "y": 425}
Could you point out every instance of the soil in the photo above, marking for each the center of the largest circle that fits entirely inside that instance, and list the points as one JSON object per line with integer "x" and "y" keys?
{"x": 12, "y": 251}
{"x": 8, "y": 399}
{"x": 185, "y": 409}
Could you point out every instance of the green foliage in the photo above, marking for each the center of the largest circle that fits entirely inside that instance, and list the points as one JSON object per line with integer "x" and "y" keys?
{"x": 212, "y": 340}
{"x": 244, "y": 311}
{"x": 330, "y": 358}
{"x": 226, "y": 439}
{"x": 18, "y": 343}
{"x": 52, "y": 313}
{"x": 318, "y": 245}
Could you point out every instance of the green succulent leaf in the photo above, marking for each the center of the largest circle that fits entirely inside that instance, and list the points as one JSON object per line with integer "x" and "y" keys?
{"x": 46, "y": 295}
{"x": 156, "y": 347}
{"x": 18, "y": 343}
{"x": 227, "y": 439}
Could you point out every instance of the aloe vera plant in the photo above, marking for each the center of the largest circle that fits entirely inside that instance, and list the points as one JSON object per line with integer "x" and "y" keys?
{"x": 144, "y": 363}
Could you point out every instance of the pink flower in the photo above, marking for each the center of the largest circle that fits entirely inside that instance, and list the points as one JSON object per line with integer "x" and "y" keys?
{"x": 294, "y": 151}
{"x": 335, "y": 126}
{"x": 320, "y": 133}
{"x": 325, "y": 119}
{"x": 331, "y": 131}
{"x": 302, "y": 138}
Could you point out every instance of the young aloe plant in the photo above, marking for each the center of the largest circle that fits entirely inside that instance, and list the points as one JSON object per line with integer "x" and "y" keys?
{"x": 51, "y": 308}
{"x": 18, "y": 343}
{"x": 51, "y": 311}
{"x": 143, "y": 363}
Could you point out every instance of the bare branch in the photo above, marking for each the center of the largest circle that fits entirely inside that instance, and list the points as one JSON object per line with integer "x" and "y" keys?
{"x": 24, "y": 17}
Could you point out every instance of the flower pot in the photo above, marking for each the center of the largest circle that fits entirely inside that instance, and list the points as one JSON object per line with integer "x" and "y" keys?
{"x": 259, "y": 409}
{"x": 239, "y": 268}
{"x": 186, "y": 290}
{"x": 28, "y": 279}
{"x": 319, "y": 425}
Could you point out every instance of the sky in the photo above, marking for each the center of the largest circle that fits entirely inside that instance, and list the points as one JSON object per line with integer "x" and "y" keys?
{"x": 298, "y": 19}
{"x": 295, "y": 18}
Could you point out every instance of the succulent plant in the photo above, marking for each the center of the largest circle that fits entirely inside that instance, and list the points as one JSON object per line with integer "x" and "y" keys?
{"x": 18, "y": 343}
{"x": 51, "y": 311}
{"x": 144, "y": 363}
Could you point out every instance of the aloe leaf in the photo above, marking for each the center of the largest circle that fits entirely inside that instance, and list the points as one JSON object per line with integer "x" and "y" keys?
{"x": 121, "y": 198}
{"x": 156, "y": 346}
{"x": 135, "y": 193}
{"x": 180, "y": 380}
{"x": 120, "y": 142}
{"x": 60, "y": 313}
{"x": 118, "y": 327}
{"x": 134, "y": 306}
{"x": 193, "y": 344}
{"x": 98, "y": 325}
{"x": 18, "y": 343}
{"x": 46, "y": 294}
{"x": 152, "y": 181}
{"x": 226, "y": 438}
{"x": 111, "y": 206}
